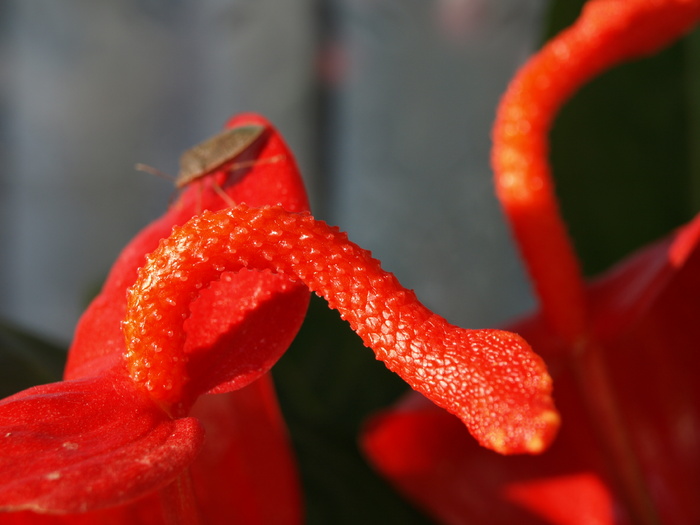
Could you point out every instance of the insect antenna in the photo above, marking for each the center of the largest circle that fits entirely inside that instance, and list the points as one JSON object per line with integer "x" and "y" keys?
{"x": 154, "y": 171}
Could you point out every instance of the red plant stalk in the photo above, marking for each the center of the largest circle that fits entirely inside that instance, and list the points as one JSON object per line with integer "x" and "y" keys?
{"x": 621, "y": 350}
{"x": 607, "y": 33}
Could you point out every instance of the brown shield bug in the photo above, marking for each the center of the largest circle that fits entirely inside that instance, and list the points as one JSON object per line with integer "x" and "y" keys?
{"x": 216, "y": 151}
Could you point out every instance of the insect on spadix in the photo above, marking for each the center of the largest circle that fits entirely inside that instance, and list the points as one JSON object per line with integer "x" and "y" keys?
{"x": 216, "y": 151}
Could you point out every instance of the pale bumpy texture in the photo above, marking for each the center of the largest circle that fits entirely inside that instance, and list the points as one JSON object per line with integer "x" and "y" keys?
{"x": 490, "y": 379}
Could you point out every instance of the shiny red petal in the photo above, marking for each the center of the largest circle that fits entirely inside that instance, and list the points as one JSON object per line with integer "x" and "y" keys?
{"x": 238, "y": 331}
{"x": 87, "y": 444}
{"x": 146, "y": 511}
{"x": 235, "y": 311}
{"x": 246, "y": 472}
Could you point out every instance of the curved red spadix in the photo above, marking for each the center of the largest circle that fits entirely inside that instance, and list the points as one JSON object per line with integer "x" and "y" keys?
{"x": 490, "y": 378}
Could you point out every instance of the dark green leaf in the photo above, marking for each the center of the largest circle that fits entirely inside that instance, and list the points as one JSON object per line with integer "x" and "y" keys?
{"x": 27, "y": 360}
{"x": 328, "y": 383}
{"x": 621, "y": 152}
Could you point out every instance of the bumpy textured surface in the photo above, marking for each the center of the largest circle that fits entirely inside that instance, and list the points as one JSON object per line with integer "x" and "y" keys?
{"x": 491, "y": 379}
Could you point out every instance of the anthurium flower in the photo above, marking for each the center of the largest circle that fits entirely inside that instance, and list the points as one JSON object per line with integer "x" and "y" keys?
{"x": 621, "y": 349}
{"x": 211, "y": 310}
{"x": 97, "y": 448}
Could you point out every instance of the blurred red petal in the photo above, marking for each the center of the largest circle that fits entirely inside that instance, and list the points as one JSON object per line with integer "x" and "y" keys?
{"x": 572, "y": 499}
{"x": 653, "y": 364}
{"x": 651, "y": 354}
{"x": 429, "y": 457}
{"x": 627, "y": 291}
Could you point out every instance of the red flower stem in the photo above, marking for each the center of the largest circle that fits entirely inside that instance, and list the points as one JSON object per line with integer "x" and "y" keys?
{"x": 607, "y": 32}
{"x": 179, "y": 503}
{"x": 491, "y": 379}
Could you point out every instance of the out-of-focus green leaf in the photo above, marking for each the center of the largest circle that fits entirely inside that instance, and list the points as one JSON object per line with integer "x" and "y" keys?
{"x": 27, "y": 360}
{"x": 621, "y": 152}
{"x": 328, "y": 383}
{"x": 692, "y": 92}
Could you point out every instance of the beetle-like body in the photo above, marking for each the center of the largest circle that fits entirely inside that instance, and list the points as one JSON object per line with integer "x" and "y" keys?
{"x": 215, "y": 152}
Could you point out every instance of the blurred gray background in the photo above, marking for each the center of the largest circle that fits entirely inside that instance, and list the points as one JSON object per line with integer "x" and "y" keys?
{"x": 387, "y": 104}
